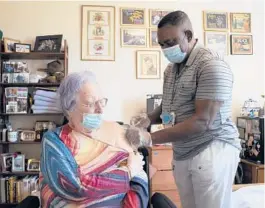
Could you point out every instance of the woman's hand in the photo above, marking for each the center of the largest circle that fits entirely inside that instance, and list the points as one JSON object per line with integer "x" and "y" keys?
{"x": 138, "y": 137}
{"x": 135, "y": 163}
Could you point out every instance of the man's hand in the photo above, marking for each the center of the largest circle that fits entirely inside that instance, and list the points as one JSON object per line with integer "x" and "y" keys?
{"x": 138, "y": 137}
{"x": 141, "y": 121}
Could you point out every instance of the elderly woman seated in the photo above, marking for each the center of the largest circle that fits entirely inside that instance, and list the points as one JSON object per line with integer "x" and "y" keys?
{"x": 88, "y": 162}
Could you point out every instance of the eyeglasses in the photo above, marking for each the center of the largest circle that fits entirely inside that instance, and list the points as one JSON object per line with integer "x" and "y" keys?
{"x": 102, "y": 103}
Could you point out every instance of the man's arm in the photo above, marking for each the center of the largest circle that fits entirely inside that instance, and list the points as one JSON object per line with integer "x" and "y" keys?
{"x": 201, "y": 121}
{"x": 154, "y": 116}
{"x": 215, "y": 83}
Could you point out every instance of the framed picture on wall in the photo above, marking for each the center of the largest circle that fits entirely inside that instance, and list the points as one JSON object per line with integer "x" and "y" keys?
{"x": 98, "y": 33}
{"x": 132, "y": 17}
{"x": 153, "y": 38}
{"x": 148, "y": 64}
{"x": 133, "y": 37}
{"x": 155, "y": 15}
{"x": 215, "y": 21}
{"x": 241, "y": 45}
{"x": 240, "y": 22}
{"x": 217, "y": 41}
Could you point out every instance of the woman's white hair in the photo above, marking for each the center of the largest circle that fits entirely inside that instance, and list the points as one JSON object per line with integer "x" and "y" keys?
{"x": 69, "y": 88}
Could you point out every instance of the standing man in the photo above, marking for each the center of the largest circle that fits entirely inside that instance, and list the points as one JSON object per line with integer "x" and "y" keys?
{"x": 196, "y": 108}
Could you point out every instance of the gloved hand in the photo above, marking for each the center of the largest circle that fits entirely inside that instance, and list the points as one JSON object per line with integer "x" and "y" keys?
{"x": 135, "y": 163}
{"x": 141, "y": 121}
{"x": 138, "y": 137}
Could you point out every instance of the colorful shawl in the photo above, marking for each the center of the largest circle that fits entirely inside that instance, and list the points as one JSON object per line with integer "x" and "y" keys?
{"x": 78, "y": 172}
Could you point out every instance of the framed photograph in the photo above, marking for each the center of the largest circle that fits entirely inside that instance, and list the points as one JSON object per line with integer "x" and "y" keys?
{"x": 148, "y": 65}
{"x": 241, "y": 45}
{"x": 133, "y": 37}
{"x": 98, "y": 33}
{"x": 153, "y": 39}
{"x": 22, "y": 48}
{"x": 27, "y": 136}
{"x": 33, "y": 165}
{"x": 9, "y": 45}
{"x": 155, "y": 15}
{"x": 18, "y": 163}
{"x": 20, "y": 77}
{"x": 215, "y": 21}
{"x": 217, "y": 41}
{"x": 240, "y": 22}
{"x": 132, "y": 17}
{"x": 48, "y": 43}
{"x": 7, "y": 78}
{"x": 6, "y": 162}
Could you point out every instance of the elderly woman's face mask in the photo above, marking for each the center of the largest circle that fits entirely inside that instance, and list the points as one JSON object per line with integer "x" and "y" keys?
{"x": 94, "y": 120}
{"x": 89, "y": 108}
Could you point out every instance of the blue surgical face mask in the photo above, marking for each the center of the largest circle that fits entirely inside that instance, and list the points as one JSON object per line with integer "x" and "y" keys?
{"x": 174, "y": 54}
{"x": 92, "y": 121}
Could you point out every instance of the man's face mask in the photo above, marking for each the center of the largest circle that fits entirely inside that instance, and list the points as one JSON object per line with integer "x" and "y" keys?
{"x": 174, "y": 54}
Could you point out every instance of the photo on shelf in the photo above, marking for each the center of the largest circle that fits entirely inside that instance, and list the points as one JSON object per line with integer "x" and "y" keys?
{"x": 21, "y": 78}
{"x": 7, "y": 78}
{"x": 240, "y": 22}
{"x": 22, "y": 48}
{"x": 133, "y": 37}
{"x": 9, "y": 45}
{"x": 18, "y": 163}
{"x": 33, "y": 165}
{"x": 132, "y": 17}
{"x": 27, "y": 136}
{"x": 15, "y": 66}
{"x": 11, "y": 108}
{"x": 22, "y": 105}
{"x": 215, "y": 21}
{"x": 48, "y": 43}
{"x": 6, "y": 162}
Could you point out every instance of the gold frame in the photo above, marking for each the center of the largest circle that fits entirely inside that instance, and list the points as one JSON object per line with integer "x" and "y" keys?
{"x": 218, "y": 32}
{"x": 150, "y": 19}
{"x": 30, "y": 161}
{"x": 5, "y": 44}
{"x": 232, "y": 50}
{"x": 132, "y": 25}
{"x": 231, "y": 22}
{"x": 159, "y": 64}
{"x": 133, "y": 46}
{"x": 215, "y": 29}
{"x": 150, "y": 38}
{"x": 112, "y": 39}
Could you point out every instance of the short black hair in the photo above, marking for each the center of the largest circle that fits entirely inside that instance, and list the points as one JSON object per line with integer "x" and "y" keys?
{"x": 175, "y": 18}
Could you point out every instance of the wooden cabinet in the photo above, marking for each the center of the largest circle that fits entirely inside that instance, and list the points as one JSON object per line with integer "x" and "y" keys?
{"x": 252, "y": 172}
{"x": 163, "y": 180}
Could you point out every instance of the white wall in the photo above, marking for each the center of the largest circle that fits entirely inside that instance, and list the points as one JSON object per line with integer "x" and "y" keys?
{"x": 25, "y": 20}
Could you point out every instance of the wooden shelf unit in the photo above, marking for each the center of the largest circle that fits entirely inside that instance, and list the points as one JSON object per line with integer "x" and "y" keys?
{"x": 38, "y": 56}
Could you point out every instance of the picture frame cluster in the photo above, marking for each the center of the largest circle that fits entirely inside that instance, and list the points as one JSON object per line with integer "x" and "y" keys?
{"x": 217, "y": 26}
{"x": 138, "y": 31}
{"x": 47, "y": 44}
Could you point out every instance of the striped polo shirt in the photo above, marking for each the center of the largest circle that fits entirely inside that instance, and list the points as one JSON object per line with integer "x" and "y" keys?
{"x": 205, "y": 76}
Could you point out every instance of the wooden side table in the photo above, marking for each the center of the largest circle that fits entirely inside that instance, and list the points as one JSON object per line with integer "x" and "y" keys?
{"x": 163, "y": 180}
{"x": 253, "y": 172}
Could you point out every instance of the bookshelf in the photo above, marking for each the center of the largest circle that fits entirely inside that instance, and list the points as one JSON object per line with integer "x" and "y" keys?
{"x": 36, "y": 56}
